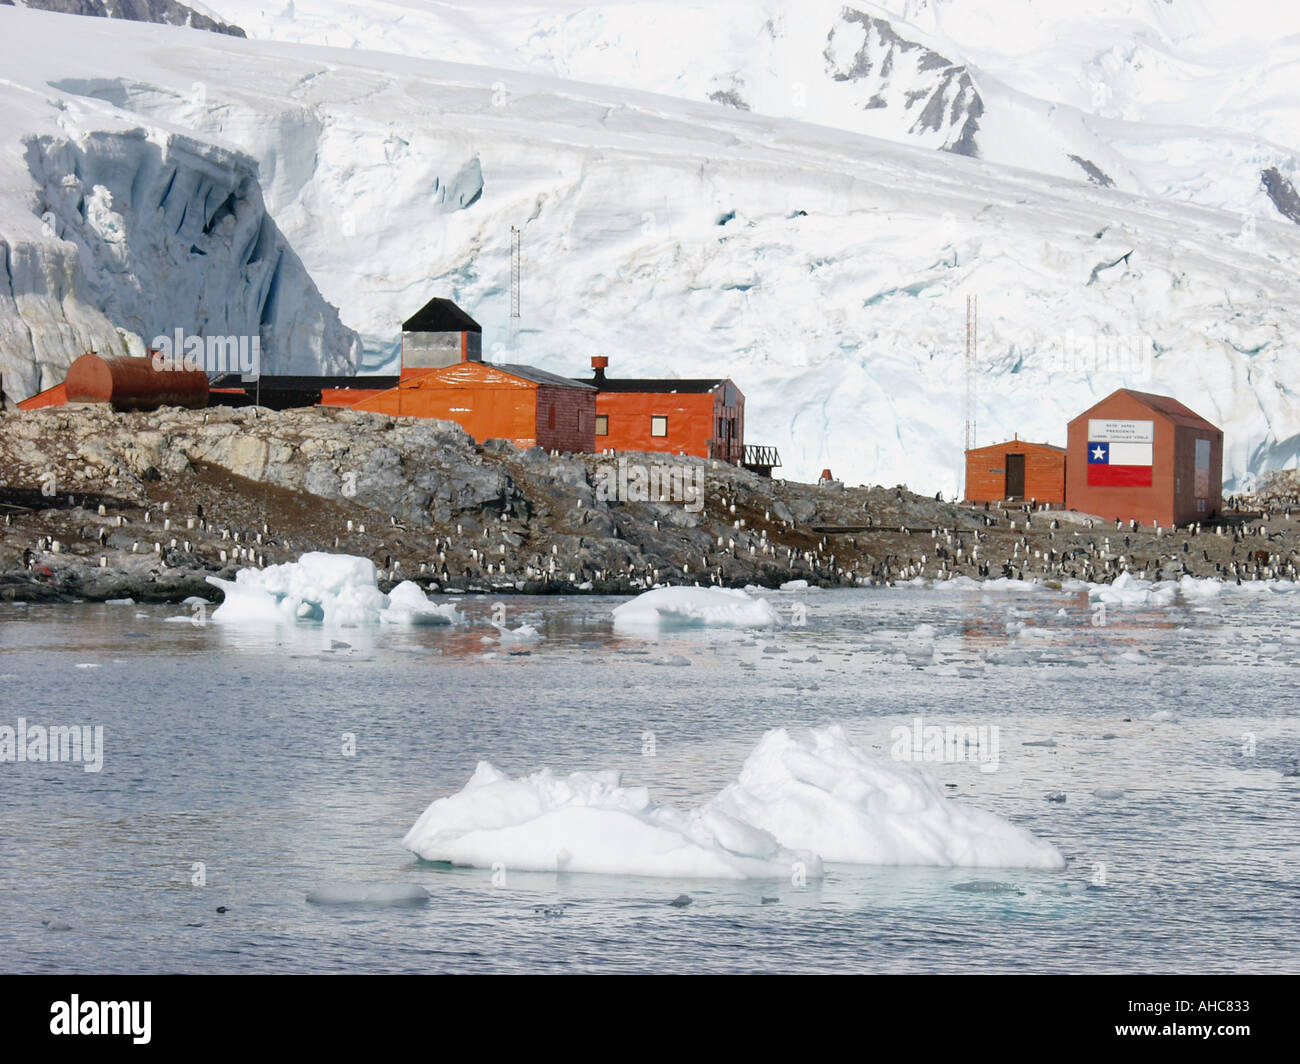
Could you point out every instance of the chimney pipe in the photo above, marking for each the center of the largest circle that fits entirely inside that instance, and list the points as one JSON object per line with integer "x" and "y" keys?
{"x": 598, "y": 364}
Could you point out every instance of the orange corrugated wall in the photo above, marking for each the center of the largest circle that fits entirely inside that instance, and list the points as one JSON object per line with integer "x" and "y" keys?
{"x": 347, "y": 396}
{"x": 485, "y": 402}
{"x": 690, "y": 421}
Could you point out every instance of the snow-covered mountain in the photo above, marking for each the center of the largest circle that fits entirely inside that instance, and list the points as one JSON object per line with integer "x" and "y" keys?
{"x": 1191, "y": 100}
{"x": 165, "y": 11}
{"x": 818, "y": 250}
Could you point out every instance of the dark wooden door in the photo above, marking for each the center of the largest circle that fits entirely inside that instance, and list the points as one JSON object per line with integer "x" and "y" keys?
{"x": 1015, "y": 476}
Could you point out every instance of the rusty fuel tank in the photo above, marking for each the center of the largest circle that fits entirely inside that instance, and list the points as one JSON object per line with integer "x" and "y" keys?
{"x": 134, "y": 384}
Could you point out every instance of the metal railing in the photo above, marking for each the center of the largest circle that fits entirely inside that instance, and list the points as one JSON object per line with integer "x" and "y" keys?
{"x": 758, "y": 455}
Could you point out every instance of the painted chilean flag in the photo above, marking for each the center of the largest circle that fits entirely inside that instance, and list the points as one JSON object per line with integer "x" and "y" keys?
{"x": 1120, "y": 453}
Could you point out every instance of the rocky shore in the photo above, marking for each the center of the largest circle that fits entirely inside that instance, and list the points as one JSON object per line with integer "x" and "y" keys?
{"x": 100, "y": 505}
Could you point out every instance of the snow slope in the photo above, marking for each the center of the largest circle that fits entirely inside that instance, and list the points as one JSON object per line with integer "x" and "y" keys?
{"x": 1189, "y": 100}
{"x": 824, "y": 270}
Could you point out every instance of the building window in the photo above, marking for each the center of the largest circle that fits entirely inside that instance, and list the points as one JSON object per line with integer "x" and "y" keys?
{"x": 550, "y": 418}
{"x": 602, "y": 424}
{"x": 658, "y": 425}
{"x": 1200, "y": 506}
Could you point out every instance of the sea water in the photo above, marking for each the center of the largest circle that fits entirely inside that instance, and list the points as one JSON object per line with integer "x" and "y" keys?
{"x": 272, "y": 772}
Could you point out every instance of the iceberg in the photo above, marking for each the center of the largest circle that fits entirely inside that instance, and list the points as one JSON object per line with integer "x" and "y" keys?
{"x": 795, "y": 805}
{"x": 590, "y": 822}
{"x": 695, "y": 607}
{"x": 1128, "y": 590}
{"x": 336, "y": 589}
{"x": 829, "y": 796}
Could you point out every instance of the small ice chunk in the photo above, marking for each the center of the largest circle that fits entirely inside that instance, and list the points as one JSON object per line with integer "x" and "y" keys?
{"x": 525, "y": 633}
{"x": 987, "y": 886}
{"x": 695, "y": 607}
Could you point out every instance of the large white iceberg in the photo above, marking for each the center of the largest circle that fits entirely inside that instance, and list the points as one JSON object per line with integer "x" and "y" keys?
{"x": 695, "y": 607}
{"x": 589, "y": 822}
{"x": 337, "y": 589}
{"x": 795, "y": 805}
{"x": 831, "y": 797}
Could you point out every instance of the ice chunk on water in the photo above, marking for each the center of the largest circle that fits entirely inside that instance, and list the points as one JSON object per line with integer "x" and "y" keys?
{"x": 338, "y": 589}
{"x": 525, "y": 633}
{"x": 407, "y": 604}
{"x": 590, "y": 822}
{"x": 1128, "y": 590}
{"x": 828, "y": 796}
{"x": 695, "y": 607}
{"x": 794, "y": 805}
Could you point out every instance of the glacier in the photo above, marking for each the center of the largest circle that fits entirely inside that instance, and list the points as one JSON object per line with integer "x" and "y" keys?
{"x": 113, "y": 232}
{"x": 819, "y": 251}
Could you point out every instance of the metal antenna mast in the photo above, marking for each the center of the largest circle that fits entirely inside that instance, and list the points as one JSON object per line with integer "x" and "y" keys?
{"x": 514, "y": 271}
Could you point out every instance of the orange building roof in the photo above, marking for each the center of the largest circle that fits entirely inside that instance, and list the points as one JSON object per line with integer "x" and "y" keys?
{"x": 56, "y": 396}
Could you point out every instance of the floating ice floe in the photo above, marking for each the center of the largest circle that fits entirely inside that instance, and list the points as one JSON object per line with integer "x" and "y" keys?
{"x": 696, "y": 607}
{"x": 407, "y": 604}
{"x": 525, "y": 633}
{"x": 831, "y": 797}
{"x": 795, "y": 802}
{"x": 589, "y": 822}
{"x": 1128, "y": 590}
{"x": 338, "y": 589}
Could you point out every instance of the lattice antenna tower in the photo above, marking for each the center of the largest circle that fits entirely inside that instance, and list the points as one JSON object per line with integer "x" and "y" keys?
{"x": 515, "y": 257}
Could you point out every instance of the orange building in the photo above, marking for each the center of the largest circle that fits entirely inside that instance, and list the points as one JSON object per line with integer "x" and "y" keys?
{"x": 704, "y": 418}
{"x": 1015, "y": 471}
{"x": 1138, "y": 456}
{"x": 522, "y": 404}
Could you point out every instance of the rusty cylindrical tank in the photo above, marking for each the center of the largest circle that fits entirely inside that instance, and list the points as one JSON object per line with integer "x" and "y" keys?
{"x": 134, "y": 384}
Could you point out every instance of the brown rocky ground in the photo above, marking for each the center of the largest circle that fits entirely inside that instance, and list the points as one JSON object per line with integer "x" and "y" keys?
{"x": 104, "y": 505}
